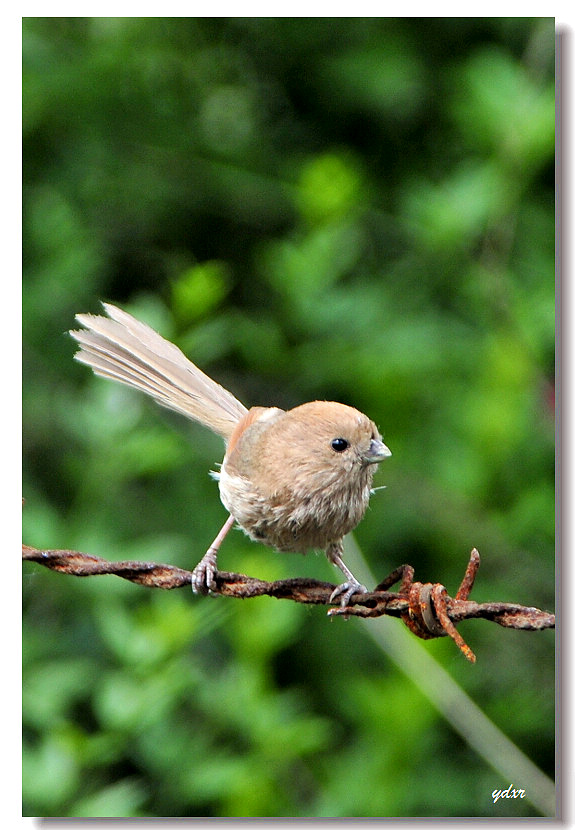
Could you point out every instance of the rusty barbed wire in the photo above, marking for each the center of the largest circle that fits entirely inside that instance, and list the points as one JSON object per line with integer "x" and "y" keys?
{"x": 425, "y": 608}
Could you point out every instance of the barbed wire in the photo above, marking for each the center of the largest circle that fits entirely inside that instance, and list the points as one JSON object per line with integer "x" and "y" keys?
{"x": 426, "y": 608}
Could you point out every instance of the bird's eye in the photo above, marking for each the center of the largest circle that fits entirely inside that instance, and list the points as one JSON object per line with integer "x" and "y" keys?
{"x": 339, "y": 444}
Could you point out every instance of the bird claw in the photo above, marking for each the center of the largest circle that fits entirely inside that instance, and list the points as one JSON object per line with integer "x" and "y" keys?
{"x": 203, "y": 575}
{"x": 346, "y": 590}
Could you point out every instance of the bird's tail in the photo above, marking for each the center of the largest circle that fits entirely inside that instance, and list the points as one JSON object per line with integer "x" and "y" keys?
{"x": 122, "y": 348}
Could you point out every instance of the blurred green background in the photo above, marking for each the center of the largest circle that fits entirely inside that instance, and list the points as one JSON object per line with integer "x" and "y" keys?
{"x": 312, "y": 208}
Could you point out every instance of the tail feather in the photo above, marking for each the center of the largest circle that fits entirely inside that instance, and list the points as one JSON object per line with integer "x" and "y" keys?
{"x": 121, "y": 348}
{"x": 123, "y": 368}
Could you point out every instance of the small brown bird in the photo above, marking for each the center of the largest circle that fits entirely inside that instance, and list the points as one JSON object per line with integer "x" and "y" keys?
{"x": 294, "y": 480}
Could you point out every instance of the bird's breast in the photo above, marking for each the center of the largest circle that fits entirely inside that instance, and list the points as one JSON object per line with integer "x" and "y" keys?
{"x": 296, "y": 518}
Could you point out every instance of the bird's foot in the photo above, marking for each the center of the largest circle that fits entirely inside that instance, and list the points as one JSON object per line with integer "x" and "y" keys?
{"x": 346, "y": 590}
{"x": 204, "y": 574}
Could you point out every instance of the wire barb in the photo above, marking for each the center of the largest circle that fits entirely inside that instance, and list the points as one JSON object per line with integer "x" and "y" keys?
{"x": 425, "y": 608}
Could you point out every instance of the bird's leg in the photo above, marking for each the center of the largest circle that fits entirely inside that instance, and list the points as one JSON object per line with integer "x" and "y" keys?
{"x": 347, "y": 589}
{"x": 203, "y": 575}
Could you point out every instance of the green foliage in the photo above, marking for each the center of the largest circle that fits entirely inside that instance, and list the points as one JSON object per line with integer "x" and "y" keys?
{"x": 357, "y": 209}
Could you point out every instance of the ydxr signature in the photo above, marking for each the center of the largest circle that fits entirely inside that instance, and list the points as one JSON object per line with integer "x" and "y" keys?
{"x": 510, "y": 792}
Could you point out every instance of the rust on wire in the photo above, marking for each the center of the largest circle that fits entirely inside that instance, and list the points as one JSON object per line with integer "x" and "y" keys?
{"x": 425, "y": 608}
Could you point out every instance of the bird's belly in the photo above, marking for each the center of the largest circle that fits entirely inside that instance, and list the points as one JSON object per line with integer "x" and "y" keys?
{"x": 293, "y": 524}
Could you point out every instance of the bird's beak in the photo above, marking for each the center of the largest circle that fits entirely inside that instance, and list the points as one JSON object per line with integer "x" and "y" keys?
{"x": 377, "y": 452}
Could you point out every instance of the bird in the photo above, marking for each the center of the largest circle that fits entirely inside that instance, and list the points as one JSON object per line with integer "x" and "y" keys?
{"x": 295, "y": 480}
